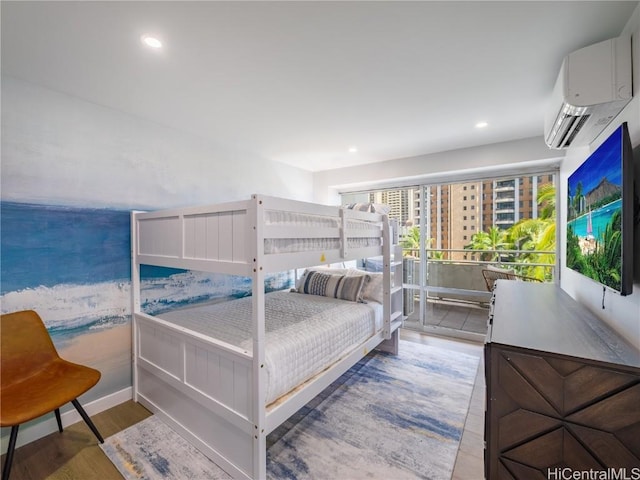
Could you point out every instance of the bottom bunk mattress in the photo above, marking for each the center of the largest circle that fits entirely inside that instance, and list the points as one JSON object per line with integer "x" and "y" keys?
{"x": 304, "y": 333}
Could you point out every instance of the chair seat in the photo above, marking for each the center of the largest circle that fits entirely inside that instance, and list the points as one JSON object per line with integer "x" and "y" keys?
{"x": 34, "y": 380}
{"x": 59, "y": 382}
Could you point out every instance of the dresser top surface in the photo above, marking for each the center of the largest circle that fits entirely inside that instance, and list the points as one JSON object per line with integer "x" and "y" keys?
{"x": 543, "y": 317}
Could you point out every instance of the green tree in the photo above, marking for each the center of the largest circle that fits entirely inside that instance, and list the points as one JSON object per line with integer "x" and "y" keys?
{"x": 493, "y": 239}
{"x": 538, "y": 235}
{"x": 411, "y": 242}
{"x": 576, "y": 199}
{"x": 575, "y": 260}
{"x": 606, "y": 261}
{"x": 534, "y": 234}
{"x": 411, "y": 245}
{"x": 547, "y": 201}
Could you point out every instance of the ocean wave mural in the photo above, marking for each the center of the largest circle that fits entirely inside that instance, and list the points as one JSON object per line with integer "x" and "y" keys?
{"x": 165, "y": 289}
{"x": 73, "y": 266}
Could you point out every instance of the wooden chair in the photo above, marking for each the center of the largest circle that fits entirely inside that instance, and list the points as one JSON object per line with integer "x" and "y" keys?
{"x": 491, "y": 275}
{"x": 34, "y": 380}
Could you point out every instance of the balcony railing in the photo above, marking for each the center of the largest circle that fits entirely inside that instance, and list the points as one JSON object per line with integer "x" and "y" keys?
{"x": 448, "y": 294}
{"x": 456, "y": 274}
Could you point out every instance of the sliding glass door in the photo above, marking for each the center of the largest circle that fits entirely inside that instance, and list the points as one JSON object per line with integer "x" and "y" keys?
{"x": 453, "y": 233}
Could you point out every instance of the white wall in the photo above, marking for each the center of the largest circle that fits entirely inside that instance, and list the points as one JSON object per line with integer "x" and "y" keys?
{"x": 61, "y": 150}
{"x": 622, "y": 313}
{"x": 455, "y": 165}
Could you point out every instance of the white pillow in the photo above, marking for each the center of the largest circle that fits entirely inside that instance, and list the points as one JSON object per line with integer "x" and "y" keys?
{"x": 373, "y": 288}
{"x": 371, "y": 291}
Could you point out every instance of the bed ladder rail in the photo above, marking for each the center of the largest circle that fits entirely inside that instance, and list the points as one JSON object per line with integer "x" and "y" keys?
{"x": 392, "y": 278}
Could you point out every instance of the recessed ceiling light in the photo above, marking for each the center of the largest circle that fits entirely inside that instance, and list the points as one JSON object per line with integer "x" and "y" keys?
{"x": 353, "y": 149}
{"x": 482, "y": 125}
{"x": 151, "y": 41}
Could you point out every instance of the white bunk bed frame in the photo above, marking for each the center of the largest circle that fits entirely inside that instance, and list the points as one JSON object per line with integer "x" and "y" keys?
{"x": 211, "y": 392}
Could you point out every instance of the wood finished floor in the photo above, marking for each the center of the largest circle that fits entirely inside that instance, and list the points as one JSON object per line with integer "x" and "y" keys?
{"x": 75, "y": 455}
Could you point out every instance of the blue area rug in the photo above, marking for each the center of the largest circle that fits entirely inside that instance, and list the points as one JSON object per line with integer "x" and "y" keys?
{"x": 388, "y": 417}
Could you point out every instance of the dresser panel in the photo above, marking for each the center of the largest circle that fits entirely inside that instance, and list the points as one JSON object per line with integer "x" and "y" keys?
{"x": 548, "y": 410}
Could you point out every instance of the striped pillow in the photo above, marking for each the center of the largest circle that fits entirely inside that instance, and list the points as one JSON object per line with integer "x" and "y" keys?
{"x": 335, "y": 286}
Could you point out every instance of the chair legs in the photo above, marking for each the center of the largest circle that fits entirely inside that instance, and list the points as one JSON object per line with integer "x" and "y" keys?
{"x": 87, "y": 420}
{"x": 58, "y": 419}
{"x": 14, "y": 435}
{"x": 10, "y": 449}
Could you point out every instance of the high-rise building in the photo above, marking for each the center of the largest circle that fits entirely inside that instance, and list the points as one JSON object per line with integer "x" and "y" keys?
{"x": 401, "y": 201}
{"x": 458, "y": 211}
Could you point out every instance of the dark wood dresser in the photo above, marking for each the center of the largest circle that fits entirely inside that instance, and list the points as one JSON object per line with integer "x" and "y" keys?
{"x": 563, "y": 388}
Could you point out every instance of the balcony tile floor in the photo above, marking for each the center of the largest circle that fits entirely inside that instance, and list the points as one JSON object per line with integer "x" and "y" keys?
{"x": 450, "y": 317}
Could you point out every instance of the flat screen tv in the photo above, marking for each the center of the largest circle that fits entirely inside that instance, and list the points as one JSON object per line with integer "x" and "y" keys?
{"x": 600, "y": 214}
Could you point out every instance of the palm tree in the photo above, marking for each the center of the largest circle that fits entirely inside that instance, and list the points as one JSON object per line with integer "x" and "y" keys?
{"x": 606, "y": 261}
{"x": 411, "y": 242}
{"x": 538, "y": 234}
{"x": 576, "y": 199}
{"x": 547, "y": 201}
{"x": 493, "y": 239}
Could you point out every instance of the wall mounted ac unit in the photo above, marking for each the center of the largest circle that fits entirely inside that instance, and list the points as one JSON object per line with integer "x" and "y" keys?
{"x": 593, "y": 86}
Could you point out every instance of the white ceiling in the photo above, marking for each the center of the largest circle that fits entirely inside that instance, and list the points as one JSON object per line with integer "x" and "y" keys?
{"x": 301, "y": 82}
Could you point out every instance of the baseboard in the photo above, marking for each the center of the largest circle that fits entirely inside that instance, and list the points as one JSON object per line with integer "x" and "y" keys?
{"x": 30, "y": 433}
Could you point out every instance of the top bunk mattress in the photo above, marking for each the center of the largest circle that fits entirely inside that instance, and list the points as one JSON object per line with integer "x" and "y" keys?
{"x": 368, "y": 233}
{"x": 304, "y": 333}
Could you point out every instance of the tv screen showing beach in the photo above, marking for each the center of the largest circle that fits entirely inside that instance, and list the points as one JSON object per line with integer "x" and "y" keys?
{"x": 594, "y": 214}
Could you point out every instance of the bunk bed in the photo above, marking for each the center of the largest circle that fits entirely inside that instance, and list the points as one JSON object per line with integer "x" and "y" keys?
{"x": 222, "y": 391}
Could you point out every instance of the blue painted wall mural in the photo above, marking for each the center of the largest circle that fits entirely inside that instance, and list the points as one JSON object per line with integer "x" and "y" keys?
{"x": 164, "y": 289}
{"x": 72, "y": 265}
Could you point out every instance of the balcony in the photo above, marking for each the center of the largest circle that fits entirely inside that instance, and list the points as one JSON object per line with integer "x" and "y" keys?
{"x": 504, "y": 223}
{"x": 454, "y": 295}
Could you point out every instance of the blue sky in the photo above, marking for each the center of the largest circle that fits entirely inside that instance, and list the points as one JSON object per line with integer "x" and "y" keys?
{"x": 605, "y": 161}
